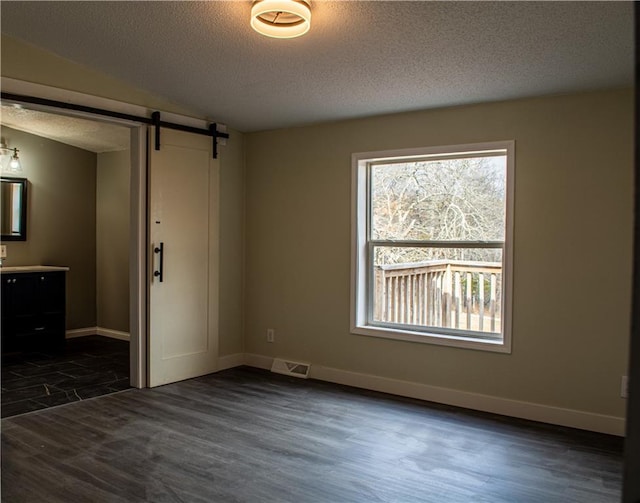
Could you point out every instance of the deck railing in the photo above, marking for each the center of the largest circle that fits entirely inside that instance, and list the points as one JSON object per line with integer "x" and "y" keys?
{"x": 464, "y": 295}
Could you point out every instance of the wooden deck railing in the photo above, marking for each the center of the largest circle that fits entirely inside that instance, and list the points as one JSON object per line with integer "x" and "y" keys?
{"x": 440, "y": 293}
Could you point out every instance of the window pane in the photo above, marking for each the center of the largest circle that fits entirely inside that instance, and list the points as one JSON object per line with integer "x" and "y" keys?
{"x": 454, "y": 288}
{"x": 450, "y": 200}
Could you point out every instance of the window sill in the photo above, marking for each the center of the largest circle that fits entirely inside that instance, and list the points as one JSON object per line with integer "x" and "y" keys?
{"x": 431, "y": 338}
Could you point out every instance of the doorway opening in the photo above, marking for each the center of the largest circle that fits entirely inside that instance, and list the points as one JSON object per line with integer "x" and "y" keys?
{"x": 82, "y": 186}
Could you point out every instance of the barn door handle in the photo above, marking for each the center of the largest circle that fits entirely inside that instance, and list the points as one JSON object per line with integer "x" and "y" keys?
{"x": 160, "y": 250}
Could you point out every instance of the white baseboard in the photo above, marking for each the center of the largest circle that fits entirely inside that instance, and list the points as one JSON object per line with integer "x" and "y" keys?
{"x": 114, "y": 334}
{"x": 106, "y": 332}
{"x": 258, "y": 361}
{"x": 80, "y": 332}
{"x": 230, "y": 361}
{"x": 513, "y": 408}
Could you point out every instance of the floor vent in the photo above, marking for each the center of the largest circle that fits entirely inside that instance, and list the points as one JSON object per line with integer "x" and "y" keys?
{"x": 295, "y": 369}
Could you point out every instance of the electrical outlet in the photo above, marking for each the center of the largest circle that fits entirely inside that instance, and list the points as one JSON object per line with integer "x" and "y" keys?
{"x": 271, "y": 335}
{"x": 624, "y": 387}
{"x": 3, "y": 251}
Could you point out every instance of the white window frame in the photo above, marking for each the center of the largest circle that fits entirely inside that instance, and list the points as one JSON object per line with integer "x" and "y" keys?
{"x": 360, "y": 256}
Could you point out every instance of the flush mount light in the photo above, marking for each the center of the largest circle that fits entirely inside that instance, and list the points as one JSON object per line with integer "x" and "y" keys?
{"x": 281, "y": 18}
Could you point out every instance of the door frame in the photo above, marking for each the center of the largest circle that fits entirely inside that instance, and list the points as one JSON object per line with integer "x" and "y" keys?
{"x": 138, "y": 234}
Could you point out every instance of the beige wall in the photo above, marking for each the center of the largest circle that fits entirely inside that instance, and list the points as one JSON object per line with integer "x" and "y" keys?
{"x": 69, "y": 187}
{"x": 572, "y": 262}
{"x": 61, "y": 220}
{"x": 25, "y": 62}
{"x": 231, "y": 245}
{"x": 112, "y": 240}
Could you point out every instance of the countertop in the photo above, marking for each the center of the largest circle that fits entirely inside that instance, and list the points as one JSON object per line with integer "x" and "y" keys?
{"x": 31, "y": 268}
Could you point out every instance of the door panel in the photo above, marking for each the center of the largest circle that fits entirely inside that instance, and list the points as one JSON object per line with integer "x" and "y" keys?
{"x": 182, "y": 331}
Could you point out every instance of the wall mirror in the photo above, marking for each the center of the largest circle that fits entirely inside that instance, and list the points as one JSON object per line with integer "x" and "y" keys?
{"x": 13, "y": 206}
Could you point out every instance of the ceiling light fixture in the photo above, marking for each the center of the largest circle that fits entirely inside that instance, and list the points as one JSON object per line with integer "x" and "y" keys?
{"x": 281, "y": 18}
{"x": 8, "y": 161}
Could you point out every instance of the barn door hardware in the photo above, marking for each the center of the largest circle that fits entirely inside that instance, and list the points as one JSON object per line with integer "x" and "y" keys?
{"x": 159, "y": 273}
{"x": 154, "y": 120}
{"x": 215, "y": 134}
{"x": 155, "y": 117}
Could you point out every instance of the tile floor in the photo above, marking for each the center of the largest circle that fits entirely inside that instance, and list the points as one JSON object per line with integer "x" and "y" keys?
{"x": 89, "y": 366}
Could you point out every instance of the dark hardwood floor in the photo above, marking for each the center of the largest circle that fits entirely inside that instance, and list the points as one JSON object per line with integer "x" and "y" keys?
{"x": 245, "y": 435}
{"x": 85, "y": 368}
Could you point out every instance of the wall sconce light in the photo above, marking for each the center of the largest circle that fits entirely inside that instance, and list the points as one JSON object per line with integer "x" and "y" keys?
{"x": 281, "y": 18}
{"x": 9, "y": 160}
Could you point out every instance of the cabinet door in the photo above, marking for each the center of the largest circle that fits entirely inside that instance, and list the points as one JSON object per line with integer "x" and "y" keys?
{"x": 7, "y": 318}
{"x": 51, "y": 290}
{"x": 6, "y": 296}
{"x": 33, "y": 311}
{"x": 23, "y": 299}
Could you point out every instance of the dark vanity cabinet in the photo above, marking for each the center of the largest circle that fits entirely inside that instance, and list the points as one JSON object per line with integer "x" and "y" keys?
{"x": 33, "y": 310}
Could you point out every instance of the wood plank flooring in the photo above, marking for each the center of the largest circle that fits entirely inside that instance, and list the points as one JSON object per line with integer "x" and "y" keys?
{"x": 245, "y": 435}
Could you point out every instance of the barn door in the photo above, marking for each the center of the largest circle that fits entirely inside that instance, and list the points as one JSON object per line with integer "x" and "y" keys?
{"x": 183, "y": 232}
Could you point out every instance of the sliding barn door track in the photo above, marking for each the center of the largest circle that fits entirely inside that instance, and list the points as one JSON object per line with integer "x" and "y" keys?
{"x": 154, "y": 120}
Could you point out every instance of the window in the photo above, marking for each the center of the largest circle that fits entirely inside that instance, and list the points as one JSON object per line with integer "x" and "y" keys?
{"x": 432, "y": 245}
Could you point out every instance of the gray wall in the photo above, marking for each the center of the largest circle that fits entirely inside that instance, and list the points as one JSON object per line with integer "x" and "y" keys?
{"x": 61, "y": 221}
{"x": 112, "y": 240}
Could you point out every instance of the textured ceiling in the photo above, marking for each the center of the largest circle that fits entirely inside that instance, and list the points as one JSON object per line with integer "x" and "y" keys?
{"x": 85, "y": 134}
{"x": 359, "y": 58}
